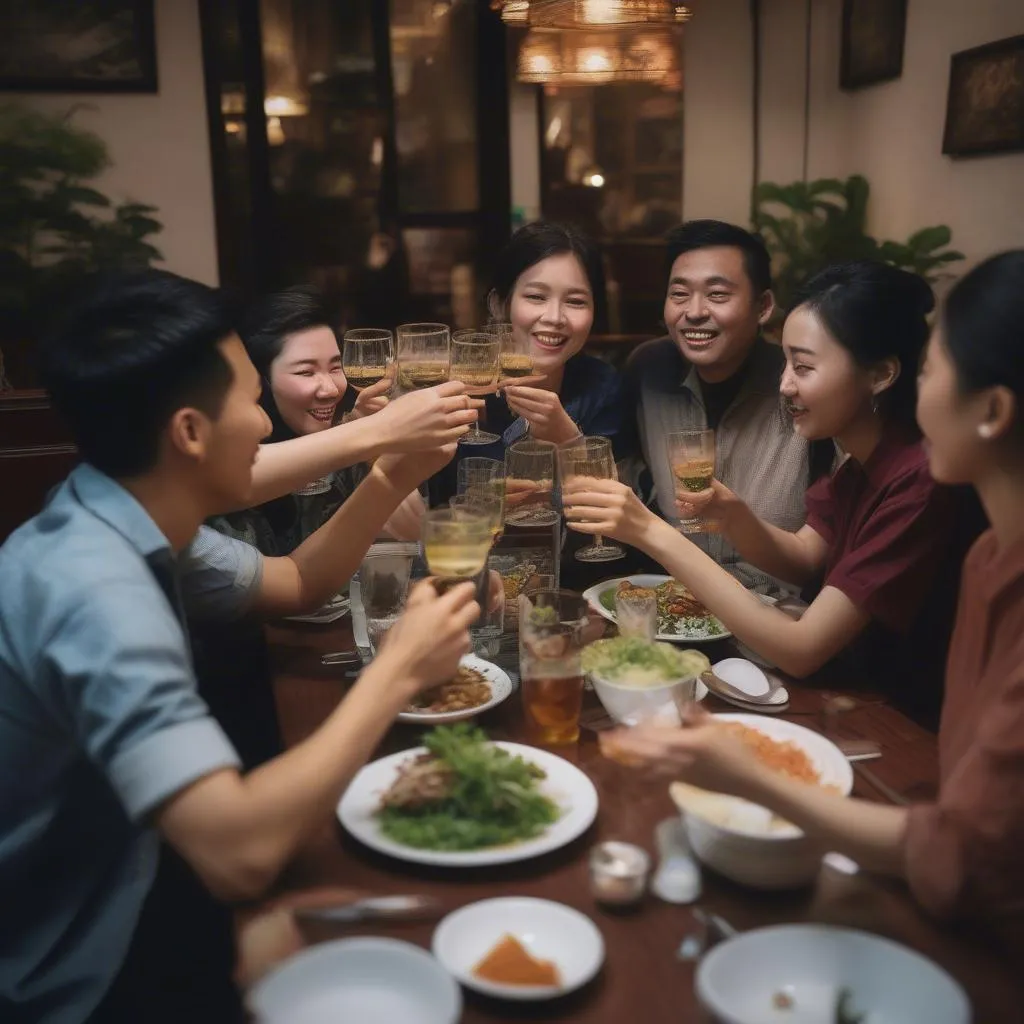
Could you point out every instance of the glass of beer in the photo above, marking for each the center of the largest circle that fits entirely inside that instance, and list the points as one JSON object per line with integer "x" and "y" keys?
{"x": 474, "y": 361}
{"x": 691, "y": 456}
{"x": 578, "y": 460}
{"x": 424, "y": 355}
{"x": 516, "y": 360}
{"x": 456, "y": 543}
{"x": 552, "y": 626}
{"x": 367, "y": 356}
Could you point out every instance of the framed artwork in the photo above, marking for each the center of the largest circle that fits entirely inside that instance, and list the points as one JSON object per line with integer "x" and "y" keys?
{"x": 77, "y": 46}
{"x": 872, "y": 42}
{"x": 985, "y": 105}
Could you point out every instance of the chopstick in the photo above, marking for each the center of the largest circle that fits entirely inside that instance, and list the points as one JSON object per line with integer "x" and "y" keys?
{"x": 887, "y": 791}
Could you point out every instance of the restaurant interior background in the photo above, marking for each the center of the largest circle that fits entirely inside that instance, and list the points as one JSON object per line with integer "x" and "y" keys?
{"x": 384, "y": 149}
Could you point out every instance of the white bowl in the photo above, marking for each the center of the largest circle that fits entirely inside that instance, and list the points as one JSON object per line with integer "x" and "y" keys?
{"x": 811, "y": 964}
{"x": 357, "y": 980}
{"x": 631, "y": 705}
{"x": 746, "y": 843}
{"x": 548, "y": 930}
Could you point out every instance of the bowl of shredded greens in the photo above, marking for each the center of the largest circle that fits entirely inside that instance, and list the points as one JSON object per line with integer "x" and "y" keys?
{"x": 639, "y": 680}
{"x": 462, "y": 799}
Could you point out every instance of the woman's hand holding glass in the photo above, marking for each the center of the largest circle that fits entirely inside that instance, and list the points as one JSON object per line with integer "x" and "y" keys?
{"x": 581, "y": 462}
{"x": 715, "y": 505}
{"x": 543, "y": 411}
{"x": 607, "y": 508}
{"x": 374, "y": 398}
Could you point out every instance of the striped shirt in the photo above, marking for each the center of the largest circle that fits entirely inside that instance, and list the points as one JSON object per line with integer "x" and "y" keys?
{"x": 757, "y": 453}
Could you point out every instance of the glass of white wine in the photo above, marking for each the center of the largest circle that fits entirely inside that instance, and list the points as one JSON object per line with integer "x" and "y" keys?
{"x": 424, "y": 355}
{"x": 367, "y": 356}
{"x": 691, "y": 457}
{"x": 474, "y": 361}
{"x": 456, "y": 543}
{"x": 516, "y": 357}
{"x": 589, "y": 458}
{"x": 529, "y": 479}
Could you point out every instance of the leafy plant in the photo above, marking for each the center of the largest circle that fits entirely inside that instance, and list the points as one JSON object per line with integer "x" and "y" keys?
{"x": 54, "y": 227}
{"x": 810, "y": 224}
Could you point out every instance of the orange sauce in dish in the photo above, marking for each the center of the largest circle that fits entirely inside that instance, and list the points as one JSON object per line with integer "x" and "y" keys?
{"x": 509, "y": 963}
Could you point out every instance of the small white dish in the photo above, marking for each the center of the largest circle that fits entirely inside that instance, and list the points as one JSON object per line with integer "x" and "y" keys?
{"x": 809, "y": 966}
{"x": 548, "y": 931}
{"x": 497, "y": 679}
{"x": 357, "y": 980}
{"x": 750, "y": 679}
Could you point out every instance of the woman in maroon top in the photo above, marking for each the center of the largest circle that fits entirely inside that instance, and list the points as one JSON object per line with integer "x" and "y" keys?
{"x": 879, "y": 530}
{"x": 960, "y": 854}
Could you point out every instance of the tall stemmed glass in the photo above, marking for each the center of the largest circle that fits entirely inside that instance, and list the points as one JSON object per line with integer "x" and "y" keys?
{"x": 691, "y": 456}
{"x": 516, "y": 357}
{"x": 481, "y": 484}
{"x": 589, "y": 458}
{"x": 367, "y": 356}
{"x": 475, "y": 362}
{"x": 529, "y": 479}
{"x": 456, "y": 543}
{"x": 424, "y": 355}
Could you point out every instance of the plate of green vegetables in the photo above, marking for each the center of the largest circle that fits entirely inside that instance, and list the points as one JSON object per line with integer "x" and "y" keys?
{"x": 462, "y": 800}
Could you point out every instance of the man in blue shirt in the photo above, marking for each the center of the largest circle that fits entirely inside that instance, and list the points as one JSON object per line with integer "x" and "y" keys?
{"x": 104, "y": 742}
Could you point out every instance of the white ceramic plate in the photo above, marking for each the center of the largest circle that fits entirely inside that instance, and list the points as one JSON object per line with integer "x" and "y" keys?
{"x": 811, "y": 964}
{"x": 497, "y": 679}
{"x": 548, "y": 930}
{"x": 570, "y": 789}
{"x": 736, "y": 672}
{"x": 593, "y": 598}
{"x": 358, "y": 980}
{"x": 337, "y": 608}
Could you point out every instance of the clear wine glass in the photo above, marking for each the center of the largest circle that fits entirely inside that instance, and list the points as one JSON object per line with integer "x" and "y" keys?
{"x": 424, "y": 355}
{"x": 589, "y": 458}
{"x": 691, "y": 457}
{"x": 474, "y": 361}
{"x": 456, "y": 543}
{"x": 367, "y": 356}
{"x": 529, "y": 479}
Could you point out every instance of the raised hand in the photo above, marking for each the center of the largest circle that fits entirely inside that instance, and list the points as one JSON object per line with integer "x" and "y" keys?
{"x": 714, "y": 505}
{"x": 426, "y": 419}
{"x": 605, "y": 507}
{"x": 543, "y": 411}
{"x": 372, "y": 399}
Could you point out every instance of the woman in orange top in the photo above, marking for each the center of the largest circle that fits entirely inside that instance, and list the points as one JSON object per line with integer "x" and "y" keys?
{"x": 961, "y": 854}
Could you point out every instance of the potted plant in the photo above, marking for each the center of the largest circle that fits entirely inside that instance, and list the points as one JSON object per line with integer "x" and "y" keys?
{"x": 55, "y": 228}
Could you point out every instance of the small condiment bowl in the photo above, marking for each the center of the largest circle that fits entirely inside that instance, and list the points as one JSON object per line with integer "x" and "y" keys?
{"x": 547, "y": 930}
{"x": 618, "y": 873}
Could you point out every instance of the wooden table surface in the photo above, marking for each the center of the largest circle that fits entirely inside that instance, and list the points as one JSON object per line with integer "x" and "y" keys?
{"x": 642, "y": 979}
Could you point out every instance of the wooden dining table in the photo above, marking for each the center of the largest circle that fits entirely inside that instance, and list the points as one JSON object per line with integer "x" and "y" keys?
{"x": 643, "y": 979}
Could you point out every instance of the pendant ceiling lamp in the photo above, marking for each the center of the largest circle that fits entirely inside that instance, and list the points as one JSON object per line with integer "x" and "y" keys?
{"x": 584, "y": 14}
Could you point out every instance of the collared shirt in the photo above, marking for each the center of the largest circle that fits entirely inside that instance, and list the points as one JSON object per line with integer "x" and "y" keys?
{"x": 896, "y": 541}
{"x": 100, "y": 723}
{"x": 963, "y": 853}
{"x": 757, "y": 453}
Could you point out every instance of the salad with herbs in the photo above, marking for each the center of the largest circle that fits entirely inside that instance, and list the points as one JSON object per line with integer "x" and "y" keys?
{"x": 465, "y": 793}
{"x": 633, "y": 662}
{"x": 679, "y": 612}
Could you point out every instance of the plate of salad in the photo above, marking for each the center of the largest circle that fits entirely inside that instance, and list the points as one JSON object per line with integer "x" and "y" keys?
{"x": 462, "y": 800}
{"x": 680, "y": 615}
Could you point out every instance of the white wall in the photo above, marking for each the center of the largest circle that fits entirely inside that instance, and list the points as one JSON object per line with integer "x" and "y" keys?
{"x": 892, "y": 132}
{"x": 159, "y": 144}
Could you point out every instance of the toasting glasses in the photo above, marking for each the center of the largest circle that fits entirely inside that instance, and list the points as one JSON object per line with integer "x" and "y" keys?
{"x": 529, "y": 478}
{"x": 589, "y": 458}
{"x": 474, "y": 361}
{"x": 455, "y": 544}
{"x": 691, "y": 456}
{"x": 424, "y": 353}
{"x": 367, "y": 356}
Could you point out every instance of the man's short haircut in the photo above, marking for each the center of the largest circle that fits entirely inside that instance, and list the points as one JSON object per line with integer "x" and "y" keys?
{"x": 141, "y": 346}
{"x": 707, "y": 234}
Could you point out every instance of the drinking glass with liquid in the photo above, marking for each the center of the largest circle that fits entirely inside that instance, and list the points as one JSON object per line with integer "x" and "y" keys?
{"x": 691, "y": 456}
{"x": 383, "y": 590}
{"x": 552, "y": 626}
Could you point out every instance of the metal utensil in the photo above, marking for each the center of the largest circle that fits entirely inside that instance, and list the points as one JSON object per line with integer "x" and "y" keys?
{"x": 373, "y": 908}
{"x": 859, "y": 750}
{"x": 886, "y": 790}
{"x": 341, "y": 658}
{"x": 718, "y": 685}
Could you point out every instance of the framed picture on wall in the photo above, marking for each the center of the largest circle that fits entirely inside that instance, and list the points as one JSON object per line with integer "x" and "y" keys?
{"x": 872, "y": 42}
{"x": 77, "y": 46}
{"x": 985, "y": 106}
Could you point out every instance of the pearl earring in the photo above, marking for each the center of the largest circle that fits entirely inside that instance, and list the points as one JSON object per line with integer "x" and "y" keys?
{"x": 985, "y": 430}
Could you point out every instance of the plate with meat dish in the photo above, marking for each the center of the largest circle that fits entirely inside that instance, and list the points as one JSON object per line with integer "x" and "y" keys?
{"x": 680, "y": 615}
{"x": 462, "y": 800}
{"x": 476, "y": 687}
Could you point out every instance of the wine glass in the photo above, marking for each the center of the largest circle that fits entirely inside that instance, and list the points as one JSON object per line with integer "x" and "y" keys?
{"x": 691, "y": 457}
{"x": 424, "y": 355}
{"x": 482, "y": 483}
{"x": 367, "y": 356}
{"x": 529, "y": 477}
{"x": 516, "y": 357}
{"x": 475, "y": 362}
{"x": 456, "y": 543}
{"x": 589, "y": 458}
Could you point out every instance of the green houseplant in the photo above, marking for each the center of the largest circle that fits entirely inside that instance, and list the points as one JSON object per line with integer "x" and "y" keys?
{"x": 809, "y": 224}
{"x": 55, "y": 228}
